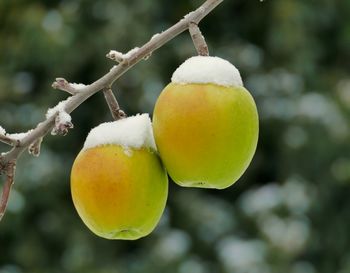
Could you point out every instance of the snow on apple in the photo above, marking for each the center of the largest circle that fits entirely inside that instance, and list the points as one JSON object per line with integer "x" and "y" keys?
{"x": 207, "y": 69}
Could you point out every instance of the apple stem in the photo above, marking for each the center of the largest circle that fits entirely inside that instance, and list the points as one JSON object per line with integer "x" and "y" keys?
{"x": 198, "y": 40}
{"x": 113, "y": 104}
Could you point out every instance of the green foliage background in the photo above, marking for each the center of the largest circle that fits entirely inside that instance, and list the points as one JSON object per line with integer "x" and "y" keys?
{"x": 289, "y": 213}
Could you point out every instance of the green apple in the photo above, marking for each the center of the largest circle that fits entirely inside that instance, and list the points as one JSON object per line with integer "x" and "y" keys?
{"x": 119, "y": 192}
{"x": 206, "y": 133}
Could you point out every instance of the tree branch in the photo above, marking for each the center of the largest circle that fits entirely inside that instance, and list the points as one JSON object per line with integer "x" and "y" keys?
{"x": 8, "y": 140}
{"x": 80, "y": 93}
{"x": 9, "y": 171}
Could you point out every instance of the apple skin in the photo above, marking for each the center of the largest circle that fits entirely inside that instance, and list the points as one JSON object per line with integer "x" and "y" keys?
{"x": 118, "y": 193}
{"x": 206, "y": 134}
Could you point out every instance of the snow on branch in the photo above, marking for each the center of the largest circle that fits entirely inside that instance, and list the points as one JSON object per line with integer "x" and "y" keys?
{"x": 63, "y": 120}
{"x": 62, "y": 124}
{"x": 64, "y": 85}
{"x": 12, "y": 139}
{"x": 120, "y": 57}
{"x": 9, "y": 173}
{"x": 115, "y": 56}
{"x": 58, "y": 119}
{"x": 8, "y": 140}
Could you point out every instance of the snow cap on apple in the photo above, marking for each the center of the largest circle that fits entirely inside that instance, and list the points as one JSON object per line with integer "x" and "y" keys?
{"x": 132, "y": 132}
{"x": 119, "y": 185}
{"x": 206, "y": 69}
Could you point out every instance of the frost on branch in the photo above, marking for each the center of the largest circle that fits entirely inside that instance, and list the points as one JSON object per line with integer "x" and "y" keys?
{"x": 19, "y": 136}
{"x": 131, "y": 52}
{"x": 5, "y": 139}
{"x": 12, "y": 139}
{"x": 77, "y": 86}
{"x": 63, "y": 121}
{"x": 115, "y": 56}
{"x": 64, "y": 85}
{"x": 121, "y": 57}
{"x": 2, "y": 131}
{"x": 15, "y": 140}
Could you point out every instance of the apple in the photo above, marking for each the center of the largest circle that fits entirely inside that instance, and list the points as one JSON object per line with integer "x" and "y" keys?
{"x": 119, "y": 191}
{"x": 206, "y": 124}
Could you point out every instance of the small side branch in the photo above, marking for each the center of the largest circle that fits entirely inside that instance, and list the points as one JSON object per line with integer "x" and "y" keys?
{"x": 115, "y": 56}
{"x": 34, "y": 148}
{"x": 64, "y": 85}
{"x": 113, "y": 105}
{"x": 198, "y": 40}
{"x": 8, "y": 140}
{"x": 122, "y": 58}
{"x": 9, "y": 172}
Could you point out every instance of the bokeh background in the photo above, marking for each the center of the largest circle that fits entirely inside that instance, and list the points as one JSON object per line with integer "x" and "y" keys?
{"x": 289, "y": 213}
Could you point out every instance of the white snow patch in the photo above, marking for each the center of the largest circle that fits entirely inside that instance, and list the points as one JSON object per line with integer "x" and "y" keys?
{"x": 77, "y": 86}
{"x": 155, "y": 36}
{"x": 119, "y": 57}
{"x": 207, "y": 69}
{"x": 64, "y": 117}
{"x": 19, "y": 136}
{"x": 113, "y": 67}
{"x": 60, "y": 107}
{"x": 130, "y": 52}
{"x": 188, "y": 15}
{"x": 116, "y": 55}
{"x": 131, "y": 132}
{"x": 2, "y": 131}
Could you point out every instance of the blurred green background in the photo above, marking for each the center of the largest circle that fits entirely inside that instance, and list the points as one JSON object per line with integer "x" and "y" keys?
{"x": 289, "y": 213}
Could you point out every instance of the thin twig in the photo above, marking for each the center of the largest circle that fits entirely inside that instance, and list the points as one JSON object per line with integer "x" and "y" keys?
{"x": 80, "y": 93}
{"x": 10, "y": 174}
{"x": 34, "y": 148}
{"x": 113, "y": 105}
{"x": 115, "y": 56}
{"x": 198, "y": 40}
{"x": 64, "y": 85}
{"x": 9, "y": 140}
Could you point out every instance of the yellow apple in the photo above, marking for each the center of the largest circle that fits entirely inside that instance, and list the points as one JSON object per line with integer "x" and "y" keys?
{"x": 206, "y": 133}
{"x": 119, "y": 192}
